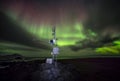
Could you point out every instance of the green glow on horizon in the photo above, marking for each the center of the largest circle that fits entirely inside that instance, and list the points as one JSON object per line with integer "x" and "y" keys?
{"x": 117, "y": 42}
{"x": 115, "y": 49}
{"x": 107, "y": 50}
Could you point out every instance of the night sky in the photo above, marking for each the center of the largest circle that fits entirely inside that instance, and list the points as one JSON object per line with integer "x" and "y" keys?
{"x": 30, "y": 22}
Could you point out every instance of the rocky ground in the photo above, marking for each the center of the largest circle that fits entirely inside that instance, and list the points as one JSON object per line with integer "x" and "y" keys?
{"x": 92, "y": 69}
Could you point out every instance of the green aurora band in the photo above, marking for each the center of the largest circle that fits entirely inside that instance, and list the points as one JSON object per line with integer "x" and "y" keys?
{"x": 67, "y": 33}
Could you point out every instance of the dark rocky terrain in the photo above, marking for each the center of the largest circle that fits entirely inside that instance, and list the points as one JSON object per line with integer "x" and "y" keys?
{"x": 87, "y": 69}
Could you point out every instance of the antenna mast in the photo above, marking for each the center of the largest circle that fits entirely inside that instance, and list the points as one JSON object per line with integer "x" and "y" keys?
{"x": 55, "y": 49}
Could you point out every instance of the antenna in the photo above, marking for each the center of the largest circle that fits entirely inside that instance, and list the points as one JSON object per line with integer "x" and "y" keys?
{"x": 55, "y": 49}
{"x": 54, "y": 40}
{"x": 54, "y": 32}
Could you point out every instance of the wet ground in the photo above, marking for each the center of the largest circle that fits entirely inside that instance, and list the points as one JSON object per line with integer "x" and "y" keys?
{"x": 89, "y": 69}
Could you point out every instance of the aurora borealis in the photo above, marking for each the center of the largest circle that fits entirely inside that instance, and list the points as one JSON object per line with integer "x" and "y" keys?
{"x": 80, "y": 24}
{"x": 40, "y": 20}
